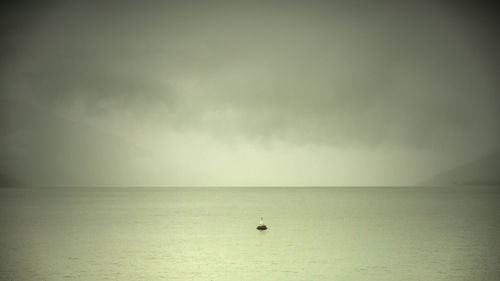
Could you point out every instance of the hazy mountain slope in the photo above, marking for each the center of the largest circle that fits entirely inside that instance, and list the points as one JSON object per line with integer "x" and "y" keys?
{"x": 482, "y": 171}
{"x": 41, "y": 149}
{"x": 8, "y": 181}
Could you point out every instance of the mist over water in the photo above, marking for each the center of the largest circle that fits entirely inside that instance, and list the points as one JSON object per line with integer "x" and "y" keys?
{"x": 171, "y": 93}
{"x": 102, "y": 101}
{"x": 382, "y": 233}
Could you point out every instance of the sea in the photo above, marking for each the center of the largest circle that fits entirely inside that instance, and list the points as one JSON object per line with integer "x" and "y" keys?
{"x": 314, "y": 233}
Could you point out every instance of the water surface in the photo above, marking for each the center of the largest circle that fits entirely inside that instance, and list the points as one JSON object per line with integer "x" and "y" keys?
{"x": 361, "y": 233}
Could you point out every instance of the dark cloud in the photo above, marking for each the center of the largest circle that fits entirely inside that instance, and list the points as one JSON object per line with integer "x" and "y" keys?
{"x": 364, "y": 73}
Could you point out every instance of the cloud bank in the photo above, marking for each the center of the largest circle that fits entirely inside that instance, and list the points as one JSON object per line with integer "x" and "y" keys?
{"x": 391, "y": 74}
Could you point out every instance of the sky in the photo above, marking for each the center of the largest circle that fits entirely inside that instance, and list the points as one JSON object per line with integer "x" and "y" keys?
{"x": 246, "y": 93}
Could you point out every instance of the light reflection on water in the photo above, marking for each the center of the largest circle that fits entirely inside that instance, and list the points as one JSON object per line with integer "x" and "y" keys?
{"x": 372, "y": 233}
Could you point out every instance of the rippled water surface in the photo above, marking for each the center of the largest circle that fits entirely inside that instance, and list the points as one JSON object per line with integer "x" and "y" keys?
{"x": 372, "y": 233}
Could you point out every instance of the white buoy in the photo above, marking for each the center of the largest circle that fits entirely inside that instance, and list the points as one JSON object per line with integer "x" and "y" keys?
{"x": 261, "y": 225}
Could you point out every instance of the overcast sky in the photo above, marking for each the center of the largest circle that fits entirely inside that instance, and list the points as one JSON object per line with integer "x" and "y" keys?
{"x": 238, "y": 93}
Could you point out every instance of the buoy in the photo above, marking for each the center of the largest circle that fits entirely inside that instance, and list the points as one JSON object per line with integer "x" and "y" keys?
{"x": 261, "y": 225}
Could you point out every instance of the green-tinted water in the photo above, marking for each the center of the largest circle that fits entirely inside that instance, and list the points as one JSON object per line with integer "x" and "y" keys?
{"x": 375, "y": 233}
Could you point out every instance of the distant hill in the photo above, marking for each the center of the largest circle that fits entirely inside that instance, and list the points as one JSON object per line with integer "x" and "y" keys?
{"x": 482, "y": 171}
{"x": 38, "y": 148}
{"x": 8, "y": 181}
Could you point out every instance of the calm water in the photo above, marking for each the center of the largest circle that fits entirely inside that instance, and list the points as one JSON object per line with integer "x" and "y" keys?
{"x": 209, "y": 234}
